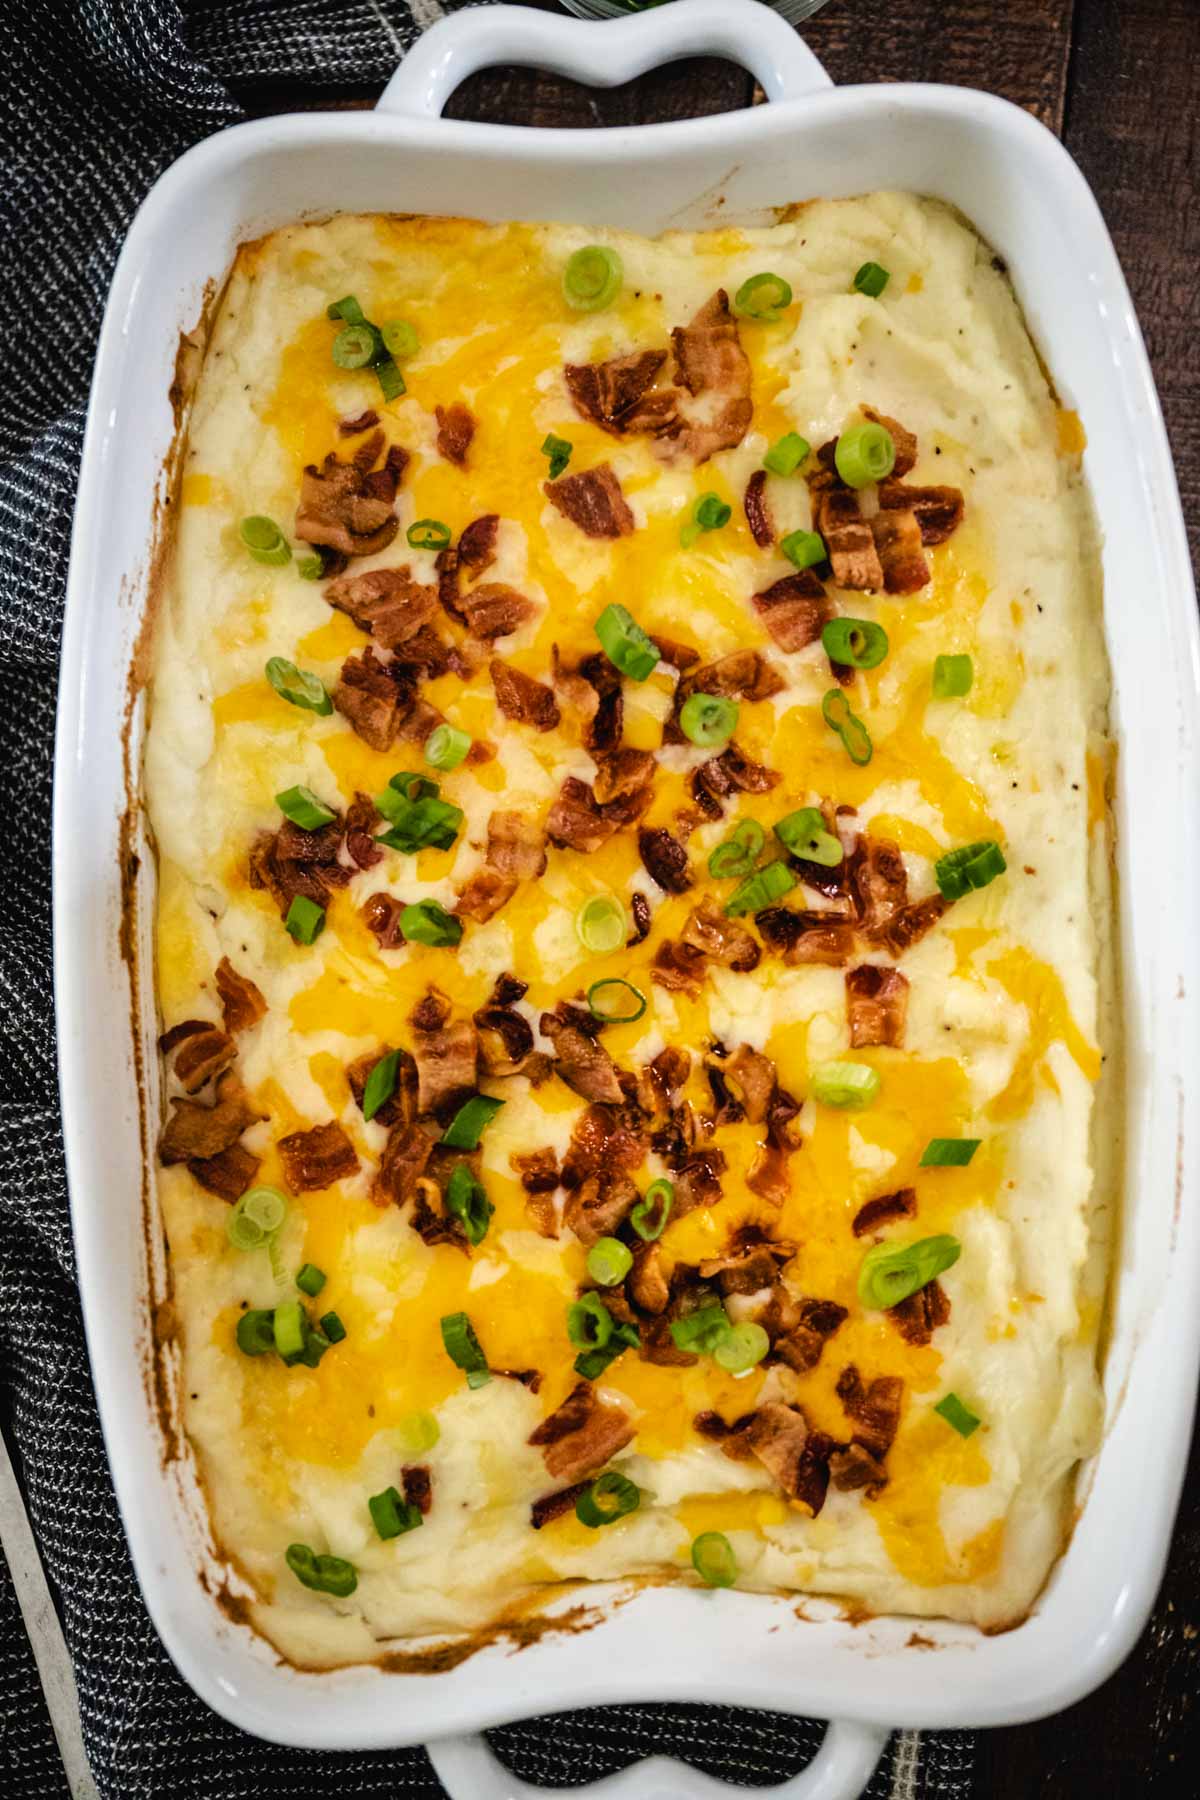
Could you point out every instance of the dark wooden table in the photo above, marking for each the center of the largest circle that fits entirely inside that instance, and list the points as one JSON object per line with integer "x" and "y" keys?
{"x": 1119, "y": 80}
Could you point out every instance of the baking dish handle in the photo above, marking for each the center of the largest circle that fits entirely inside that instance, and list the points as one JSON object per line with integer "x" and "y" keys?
{"x": 469, "y": 1770}
{"x": 602, "y": 53}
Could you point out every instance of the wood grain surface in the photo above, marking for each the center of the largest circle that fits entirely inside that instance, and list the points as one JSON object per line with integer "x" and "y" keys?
{"x": 1120, "y": 81}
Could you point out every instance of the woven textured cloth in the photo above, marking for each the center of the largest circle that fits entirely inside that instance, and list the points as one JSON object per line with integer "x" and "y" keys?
{"x": 99, "y": 96}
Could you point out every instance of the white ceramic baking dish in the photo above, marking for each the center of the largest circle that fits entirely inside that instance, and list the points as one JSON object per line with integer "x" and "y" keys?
{"x": 1023, "y": 192}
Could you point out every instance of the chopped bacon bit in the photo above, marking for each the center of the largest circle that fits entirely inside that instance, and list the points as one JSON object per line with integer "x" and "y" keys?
{"x": 742, "y": 675}
{"x": 581, "y": 1435}
{"x": 594, "y": 691}
{"x": 711, "y": 364}
{"x": 664, "y": 859}
{"x": 599, "y": 1206}
{"x": 938, "y": 510}
{"x": 680, "y": 656}
{"x": 447, "y": 1059}
{"x": 854, "y": 1467}
{"x": 904, "y": 440}
{"x": 874, "y": 1409}
{"x": 317, "y": 1158}
{"x": 495, "y": 611}
{"x": 291, "y": 861}
{"x": 381, "y": 913}
{"x": 795, "y": 610}
{"x": 907, "y": 926}
{"x": 639, "y": 907}
{"x": 918, "y": 1317}
{"x": 659, "y": 1347}
{"x": 697, "y": 1180}
{"x": 515, "y": 853}
{"x": 730, "y": 1435}
{"x": 777, "y": 1434}
{"x": 446, "y": 566}
{"x": 750, "y": 1076}
{"x": 402, "y": 1103}
{"x": 555, "y": 1505}
{"x": 731, "y": 772}
{"x": 806, "y": 937}
{"x": 897, "y": 538}
{"x": 505, "y": 1035}
{"x": 758, "y": 516}
{"x": 848, "y": 539}
{"x": 361, "y": 820}
{"x": 405, "y": 1159}
{"x": 366, "y": 453}
{"x": 680, "y": 968}
{"x": 606, "y": 392}
{"x": 723, "y": 940}
{"x": 337, "y": 508}
{"x": 592, "y": 499}
{"x": 363, "y": 421}
{"x": 881, "y": 1211}
{"x": 227, "y": 1174}
{"x": 456, "y": 428}
{"x": 876, "y": 1005}
{"x": 621, "y": 774}
{"x": 432, "y": 1011}
{"x": 582, "y": 1063}
{"x": 802, "y": 1346}
{"x": 647, "y": 1283}
{"x": 576, "y": 822}
{"x": 201, "y": 1052}
{"x": 878, "y": 883}
{"x": 170, "y": 1040}
{"x": 388, "y": 603}
{"x": 603, "y": 1138}
{"x": 668, "y": 1071}
{"x": 417, "y": 1483}
{"x": 537, "y": 1170}
{"x": 747, "y": 1267}
{"x": 430, "y": 1220}
{"x": 477, "y": 544}
{"x": 521, "y": 698}
{"x": 375, "y": 703}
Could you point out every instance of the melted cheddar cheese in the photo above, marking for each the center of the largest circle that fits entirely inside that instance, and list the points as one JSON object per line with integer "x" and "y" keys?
{"x": 1007, "y": 1017}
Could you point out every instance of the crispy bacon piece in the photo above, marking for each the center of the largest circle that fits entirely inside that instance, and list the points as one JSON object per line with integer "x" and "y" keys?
{"x": 751, "y": 1078}
{"x": 758, "y": 516}
{"x": 515, "y": 853}
{"x": 777, "y": 1435}
{"x": 711, "y": 364}
{"x": 668, "y": 1071}
{"x": 576, "y": 822}
{"x": 401, "y": 1105}
{"x": 806, "y": 937}
{"x": 317, "y": 1158}
{"x": 882, "y": 1210}
{"x": 874, "y": 1409}
{"x": 938, "y": 510}
{"x": 553, "y": 1506}
{"x": 849, "y": 540}
{"x": 417, "y": 1483}
{"x": 801, "y": 1347}
{"x": 432, "y": 1010}
{"x": 339, "y": 506}
{"x": 227, "y": 1174}
{"x": 361, "y": 820}
{"x": 698, "y": 1179}
{"x": 593, "y": 500}
{"x": 876, "y": 1005}
{"x": 742, "y": 675}
{"x": 664, "y": 860}
{"x": 381, "y": 913}
{"x": 722, "y": 940}
{"x": 521, "y": 698}
{"x": 608, "y": 392}
{"x": 599, "y": 1206}
{"x": 581, "y": 1435}
{"x": 582, "y": 1063}
{"x": 241, "y": 1001}
{"x": 897, "y": 538}
{"x": 477, "y": 544}
{"x": 795, "y": 610}
{"x": 505, "y": 1035}
{"x": 731, "y": 772}
{"x": 680, "y": 968}
{"x": 381, "y": 703}
{"x": 854, "y": 1467}
{"x": 594, "y": 691}
{"x": 878, "y": 883}
{"x": 622, "y": 773}
{"x": 361, "y": 422}
{"x": 639, "y": 908}
{"x": 907, "y": 926}
{"x": 202, "y": 1052}
{"x": 388, "y": 603}
{"x": 285, "y": 867}
{"x": 430, "y": 1220}
{"x": 646, "y": 1282}
{"x": 904, "y": 440}
{"x": 447, "y": 1056}
{"x": 540, "y": 1176}
{"x": 456, "y": 428}
{"x": 605, "y": 1137}
{"x": 495, "y": 611}
{"x": 405, "y": 1159}
{"x": 748, "y": 1265}
{"x": 918, "y": 1317}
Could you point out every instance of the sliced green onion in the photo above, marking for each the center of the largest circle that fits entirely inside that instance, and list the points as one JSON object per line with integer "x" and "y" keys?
{"x": 305, "y": 920}
{"x": 301, "y": 806}
{"x": 347, "y": 309}
{"x": 399, "y": 338}
{"x": 703, "y": 1329}
{"x": 863, "y": 454}
{"x": 610, "y": 1497}
{"x": 591, "y": 1364}
{"x": 871, "y": 280}
{"x": 713, "y": 1559}
{"x": 889, "y": 1274}
{"x": 849, "y": 1086}
{"x": 392, "y": 1515}
{"x": 960, "y": 1417}
{"x": 708, "y": 719}
{"x": 949, "y": 1153}
{"x": 609, "y": 1261}
{"x": 804, "y": 548}
{"x": 333, "y": 1328}
{"x": 418, "y": 1431}
{"x": 860, "y": 643}
{"x": 970, "y": 866}
{"x": 356, "y": 345}
{"x": 592, "y": 278}
{"x": 952, "y": 677}
{"x": 242, "y": 1232}
{"x": 255, "y": 1216}
{"x": 625, "y": 644}
{"x": 649, "y": 1217}
{"x": 428, "y": 534}
{"x": 381, "y": 1084}
{"x": 589, "y": 1323}
{"x": 743, "y": 1348}
{"x": 615, "y": 1001}
{"x": 412, "y": 785}
{"x": 298, "y": 686}
{"x": 835, "y": 710}
{"x": 255, "y": 1332}
{"x": 467, "y": 1201}
{"x": 425, "y": 824}
{"x": 264, "y": 540}
{"x": 465, "y": 1128}
{"x": 601, "y": 924}
{"x": 763, "y": 888}
{"x": 446, "y": 747}
{"x": 325, "y": 1574}
{"x": 710, "y": 513}
{"x": 803, "y": 833}
{"x": 464, "y": 1350}
{"x": 425, "y": 922}
{"x": 289, "y": 1329}
{"x": 786, "y": 454}
{"x": 763, "y": 297}
{"x": 391, "y": 381}
{"x": 559, "y": 451}
{"x": 310, "y": 568}
{"x": 739, "y": 853}
{"x": 310, "y": 1280}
